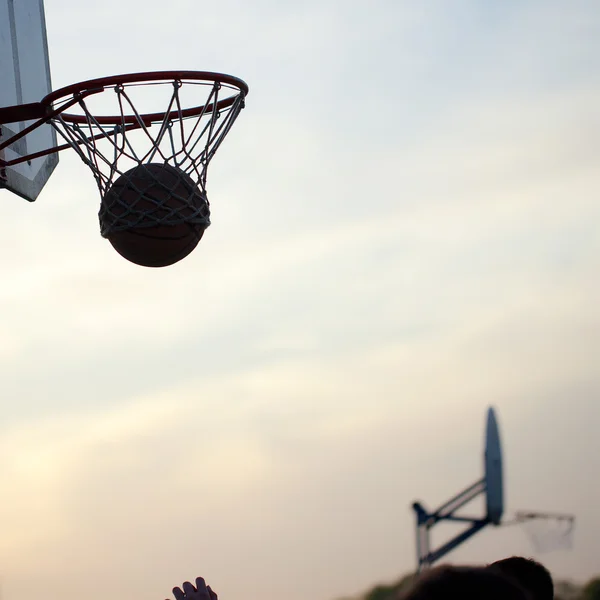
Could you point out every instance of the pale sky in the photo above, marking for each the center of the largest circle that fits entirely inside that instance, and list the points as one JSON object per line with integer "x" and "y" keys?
{"x": 404, "y": 231}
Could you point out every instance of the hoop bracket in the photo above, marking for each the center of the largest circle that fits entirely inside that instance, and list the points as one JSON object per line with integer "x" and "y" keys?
{"x": 24, "y": 112}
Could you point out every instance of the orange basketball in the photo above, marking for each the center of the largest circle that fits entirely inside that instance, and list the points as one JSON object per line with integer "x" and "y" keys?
{"x": 154, "y": 215}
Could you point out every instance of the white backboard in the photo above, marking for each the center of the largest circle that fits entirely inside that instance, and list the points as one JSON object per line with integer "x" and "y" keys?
{"x": 24, "y": 79}
{"x": 493, "y": 469}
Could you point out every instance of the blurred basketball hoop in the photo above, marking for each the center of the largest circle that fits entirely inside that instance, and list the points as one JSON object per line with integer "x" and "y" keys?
{"x": 546, "y": 531}
{"x": 148, "y": 139}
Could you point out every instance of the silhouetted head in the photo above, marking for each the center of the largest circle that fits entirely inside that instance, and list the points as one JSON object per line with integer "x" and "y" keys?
{"x": 464, "y": 583}
{"x": 529, "y": 574}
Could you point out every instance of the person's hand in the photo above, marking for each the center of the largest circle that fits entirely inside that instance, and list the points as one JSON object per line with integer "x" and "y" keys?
{"x": 198, "y": 592}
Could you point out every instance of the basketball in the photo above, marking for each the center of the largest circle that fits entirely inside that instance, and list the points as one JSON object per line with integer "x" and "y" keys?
{"x": 154, "y": 215}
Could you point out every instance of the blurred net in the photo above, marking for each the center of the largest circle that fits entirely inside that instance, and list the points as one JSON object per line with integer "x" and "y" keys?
{"x": 547, "y": 532}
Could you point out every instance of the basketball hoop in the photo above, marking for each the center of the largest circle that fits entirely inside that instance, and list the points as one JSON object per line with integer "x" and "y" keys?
{"x": 185, "y": 118}
{"x": 548, "y": 532}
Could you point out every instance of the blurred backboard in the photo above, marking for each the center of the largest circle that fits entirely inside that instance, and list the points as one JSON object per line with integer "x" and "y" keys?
{"x": 493, "y": 470}
{"x": 24, "y": 79}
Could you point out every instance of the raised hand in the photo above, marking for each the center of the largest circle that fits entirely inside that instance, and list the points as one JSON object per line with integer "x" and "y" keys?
{"x": 200, "y": 591}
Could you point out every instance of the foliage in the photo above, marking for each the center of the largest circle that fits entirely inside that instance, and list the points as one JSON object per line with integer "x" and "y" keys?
{"x": 591, "y": 591}
{"x": 390, "y": 591}
{"x": 566, "y": 590}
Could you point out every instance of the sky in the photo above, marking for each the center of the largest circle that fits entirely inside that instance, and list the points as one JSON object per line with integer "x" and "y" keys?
{"x": 404, "y": 232}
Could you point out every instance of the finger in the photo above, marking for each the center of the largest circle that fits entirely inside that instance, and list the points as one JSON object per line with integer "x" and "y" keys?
{"x": 201, "y": 586}
{"x": 189, "y": 589}
{"x": 213, "y": 595}
{"x": 178, "y": 593}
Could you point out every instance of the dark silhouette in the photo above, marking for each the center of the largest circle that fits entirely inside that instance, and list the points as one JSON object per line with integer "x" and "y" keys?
{"x": 200, "y": 591}
{"x": 563, "y": 589}
{"x": 464, "y": 583}
{"x": 529, "y": 574}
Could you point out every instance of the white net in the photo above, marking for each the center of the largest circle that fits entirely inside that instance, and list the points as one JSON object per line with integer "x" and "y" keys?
{"x": 186, "y": 117}
{"x": 548, "y": 532}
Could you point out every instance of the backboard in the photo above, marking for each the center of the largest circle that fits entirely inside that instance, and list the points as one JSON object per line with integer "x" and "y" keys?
{"x": 493, "y": 470}
{"x": 25, "y": 78}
